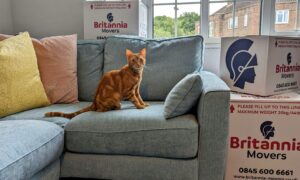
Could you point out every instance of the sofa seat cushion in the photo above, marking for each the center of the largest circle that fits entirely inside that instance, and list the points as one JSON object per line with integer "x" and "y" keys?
{"x": 38, "y": 113}
{"x": 132, "y": 131}
{"x": 27, "y": 147}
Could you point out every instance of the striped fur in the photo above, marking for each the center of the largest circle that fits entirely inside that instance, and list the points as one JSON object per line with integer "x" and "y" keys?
{"x": 115, "y": 86}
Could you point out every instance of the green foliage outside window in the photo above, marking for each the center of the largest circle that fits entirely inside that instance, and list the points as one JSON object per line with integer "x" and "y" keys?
{"x": 164, "y": 26}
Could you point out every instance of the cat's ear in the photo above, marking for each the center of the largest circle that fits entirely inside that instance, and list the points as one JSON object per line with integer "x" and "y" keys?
{"x": 128, "y": 53}
{"x": 143, "y": 52}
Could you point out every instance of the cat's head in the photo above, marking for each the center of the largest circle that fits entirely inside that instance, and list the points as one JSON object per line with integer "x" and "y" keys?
{"x": 136, "y": 61}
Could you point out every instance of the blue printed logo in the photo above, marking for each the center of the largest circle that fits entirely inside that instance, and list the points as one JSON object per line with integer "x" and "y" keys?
{"x": 240, "y": 63}
{"x": 289, "y": 58}
{"x": 267, "y": 129}
{"x": 110, "y": 17}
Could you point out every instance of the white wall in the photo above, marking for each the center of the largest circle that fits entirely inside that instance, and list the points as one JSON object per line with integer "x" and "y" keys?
{"x": 6, "y": 22}
{"x": 212, "y": 58}
{"x": 48, "y": 17}
{"x": 61, "y": 17}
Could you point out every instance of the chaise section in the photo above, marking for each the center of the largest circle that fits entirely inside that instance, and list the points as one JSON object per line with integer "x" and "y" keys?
{"x": 131, "y": 131}
{"x": 27, "y": 147}
{"x": 39, "y": 113}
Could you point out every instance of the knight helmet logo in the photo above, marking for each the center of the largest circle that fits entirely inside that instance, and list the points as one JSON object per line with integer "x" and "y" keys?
{"x": 240, "y": 63}
{"x": 289, "y": 58}
{"x": 267, "y": 129}
{"x": 110, "y": 17}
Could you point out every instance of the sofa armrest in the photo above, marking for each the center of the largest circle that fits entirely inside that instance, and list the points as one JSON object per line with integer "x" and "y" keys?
{"x": 213, "y": 115}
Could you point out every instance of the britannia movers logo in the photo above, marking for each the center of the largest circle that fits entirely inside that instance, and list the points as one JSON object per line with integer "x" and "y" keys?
{"x": 110, "y": 17}
{"x": 240, "y": 63}
{"x": 265, "y": 148}
{"x": 110, "y": 26}
{"x": 286, "y": 68}
{"x": 267, "y": 129}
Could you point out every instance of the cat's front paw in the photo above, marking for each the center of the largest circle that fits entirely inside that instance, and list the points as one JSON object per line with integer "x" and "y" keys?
{"x": 146, "y": 104}
{"x": 140, "y": 107}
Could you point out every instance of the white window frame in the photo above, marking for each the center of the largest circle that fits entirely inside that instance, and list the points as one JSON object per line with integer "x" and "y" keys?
{"x": 230, "y": 22}
{"x": 267, "y": 20}
{"x": 285, "y": 16}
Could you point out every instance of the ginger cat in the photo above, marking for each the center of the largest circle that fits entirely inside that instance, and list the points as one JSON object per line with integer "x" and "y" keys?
{"x": 115, "y": 86}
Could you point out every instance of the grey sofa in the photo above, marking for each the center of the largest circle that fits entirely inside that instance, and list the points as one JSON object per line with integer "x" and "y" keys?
{"x": 127, "y": 143}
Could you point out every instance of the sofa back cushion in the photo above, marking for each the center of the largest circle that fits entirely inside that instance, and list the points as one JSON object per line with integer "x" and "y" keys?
{"x": 89, "y": 67}
{"x": 168, "y": 61}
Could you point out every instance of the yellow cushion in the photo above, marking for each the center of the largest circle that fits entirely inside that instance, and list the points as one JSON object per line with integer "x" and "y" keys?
{"x": 20, "y": 83}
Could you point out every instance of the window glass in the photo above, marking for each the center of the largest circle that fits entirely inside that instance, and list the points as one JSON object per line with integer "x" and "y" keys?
{"x": 188, "y": 19}
{"x": 176, "y": 19}
{"x": 245, "y": 12}
{"x": 282, "y": 17}
{"x": 164, "y": 24}
{"x": 285, "y": 15}
{"x": 169, "y": 15}
{"x": 246, "y": 20}
{"x": 230, "y": 23}
{"x": 220, "y": 15}
{"x": 211, "y": 29}
{"x": 236, "y": 22}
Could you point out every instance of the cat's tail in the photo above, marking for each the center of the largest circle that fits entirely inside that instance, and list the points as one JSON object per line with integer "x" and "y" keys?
{"x": 70, "y": 115}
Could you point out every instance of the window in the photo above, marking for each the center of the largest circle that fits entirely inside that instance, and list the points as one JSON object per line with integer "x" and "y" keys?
{"x": 285, "y": 17}
{"x": 282, "y": 17}
{"x": 245, "y": 20}
{"x": 221, "y": 13}
{"x": 265, "y": 17}
{"x": 174, "y": 18}
{"x": 230, "y": 22}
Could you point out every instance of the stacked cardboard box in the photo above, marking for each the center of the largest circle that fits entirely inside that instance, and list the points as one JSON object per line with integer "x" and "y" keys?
{"x": 107, "y": 18}
{"x": 261, "y": 65}
{"x": 264, "y": 138}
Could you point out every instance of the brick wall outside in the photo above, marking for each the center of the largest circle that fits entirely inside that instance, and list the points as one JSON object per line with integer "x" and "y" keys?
{"x": 220, "y": 21}
{"x": 292, "y": 7}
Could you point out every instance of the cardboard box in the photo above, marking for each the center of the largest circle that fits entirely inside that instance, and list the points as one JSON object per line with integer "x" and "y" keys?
{"x": 107, "y": 18}
{"x": 264, "y": 138}
{"x": 261, "y": 65}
